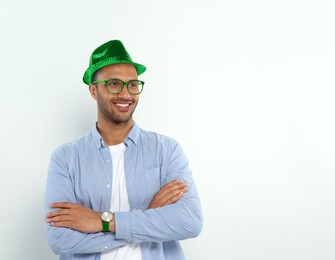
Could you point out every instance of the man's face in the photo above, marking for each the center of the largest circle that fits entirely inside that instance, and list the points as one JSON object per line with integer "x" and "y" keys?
{"x": 115, "y": 108}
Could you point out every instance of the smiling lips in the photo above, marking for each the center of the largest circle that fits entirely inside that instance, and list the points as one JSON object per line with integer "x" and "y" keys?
{"x": 123, "y": 106}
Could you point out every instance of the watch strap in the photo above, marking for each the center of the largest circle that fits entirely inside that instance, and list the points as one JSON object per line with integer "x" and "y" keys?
{"x": 105, "y": 226}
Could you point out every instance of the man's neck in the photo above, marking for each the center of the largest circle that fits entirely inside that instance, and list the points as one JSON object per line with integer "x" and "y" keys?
{"x": 113, "y": 134}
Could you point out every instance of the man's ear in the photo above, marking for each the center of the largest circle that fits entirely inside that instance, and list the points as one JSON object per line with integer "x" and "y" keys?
{"x": 93, "y": 90}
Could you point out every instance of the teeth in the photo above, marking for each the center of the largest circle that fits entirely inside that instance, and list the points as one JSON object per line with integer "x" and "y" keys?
{"x": 122, "y": 105}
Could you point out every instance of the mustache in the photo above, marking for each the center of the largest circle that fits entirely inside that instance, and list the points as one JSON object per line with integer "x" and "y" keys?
{"x": 123, "y": 100}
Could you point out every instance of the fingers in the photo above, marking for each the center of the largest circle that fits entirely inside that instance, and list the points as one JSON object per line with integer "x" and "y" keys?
{"x": 169, "y": 194}
{"x": 62, "y": 220}
{"x": 173, "y": 195}
{"x": 57, "y": 213}
{"x": 172, "y": 199}
{"x": 58, "y": 219}
{"x": 57, "y": 216}
{"x": 63, "y": 209}
{"x": 64, "y": 223}
{"x": 172, "y": 187}
{"x": 63, "y": 205}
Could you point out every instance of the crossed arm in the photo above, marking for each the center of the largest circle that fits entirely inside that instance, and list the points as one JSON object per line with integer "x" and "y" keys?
{"x": 174, "y": 213}
{"x": 80, "y": 218}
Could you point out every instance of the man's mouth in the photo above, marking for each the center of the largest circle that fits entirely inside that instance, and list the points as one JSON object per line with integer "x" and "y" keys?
{"x": 122, "y": 104}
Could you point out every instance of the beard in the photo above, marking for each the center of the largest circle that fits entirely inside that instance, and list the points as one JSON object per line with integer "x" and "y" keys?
{"x": 113, "y": 116}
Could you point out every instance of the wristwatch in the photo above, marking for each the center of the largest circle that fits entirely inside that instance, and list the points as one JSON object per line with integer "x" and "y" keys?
{"x": 106, "y": 217}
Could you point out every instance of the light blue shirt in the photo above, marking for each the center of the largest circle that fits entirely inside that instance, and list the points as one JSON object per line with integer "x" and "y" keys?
{"x": 81, "y": 172}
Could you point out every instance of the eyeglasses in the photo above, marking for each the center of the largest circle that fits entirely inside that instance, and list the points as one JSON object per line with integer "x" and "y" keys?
{"x": 115, "y": 86}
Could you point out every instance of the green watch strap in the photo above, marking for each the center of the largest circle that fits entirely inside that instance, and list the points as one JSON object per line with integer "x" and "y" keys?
{"x": 105, "y": 226}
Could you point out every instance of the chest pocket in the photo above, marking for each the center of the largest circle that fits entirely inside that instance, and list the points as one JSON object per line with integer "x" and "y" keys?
{"x": 153, "y": 178}
{"x": 152, "y": 183}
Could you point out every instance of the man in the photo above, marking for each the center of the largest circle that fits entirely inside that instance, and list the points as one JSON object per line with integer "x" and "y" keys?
{"x": 119, "y": 192}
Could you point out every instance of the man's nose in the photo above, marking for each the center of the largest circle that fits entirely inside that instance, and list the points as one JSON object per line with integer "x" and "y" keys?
{"x": 124, "y": 93}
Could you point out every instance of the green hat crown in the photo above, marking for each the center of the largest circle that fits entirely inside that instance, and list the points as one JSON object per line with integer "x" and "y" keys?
{"x": 112, "y": 52}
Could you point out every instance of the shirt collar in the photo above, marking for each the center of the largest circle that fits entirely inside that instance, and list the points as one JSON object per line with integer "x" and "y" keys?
{"x": 132, "y": 136}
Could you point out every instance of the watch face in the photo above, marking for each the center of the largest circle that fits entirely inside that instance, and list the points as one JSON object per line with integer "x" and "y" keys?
{"x": 107, "y": 216}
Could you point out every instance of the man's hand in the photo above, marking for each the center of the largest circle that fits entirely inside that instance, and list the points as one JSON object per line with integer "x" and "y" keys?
{"x": 75, "y": 216}
{"x": 169, "y": 194}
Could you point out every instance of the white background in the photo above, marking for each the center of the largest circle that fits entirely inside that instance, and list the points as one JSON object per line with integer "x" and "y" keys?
{"x": 246, "y": 87}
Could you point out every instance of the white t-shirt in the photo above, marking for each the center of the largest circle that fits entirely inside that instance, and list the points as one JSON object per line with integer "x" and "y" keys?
{"x": 120, "y": 203}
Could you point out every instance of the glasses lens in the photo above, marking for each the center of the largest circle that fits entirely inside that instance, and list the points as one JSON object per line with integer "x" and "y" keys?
{"x": 114, "y": 85}
{"x": 135, "y": 86}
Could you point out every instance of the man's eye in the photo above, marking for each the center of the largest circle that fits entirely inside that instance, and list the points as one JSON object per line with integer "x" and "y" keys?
{"x": 113, "y": 83}
{"x": 133, "y": 84}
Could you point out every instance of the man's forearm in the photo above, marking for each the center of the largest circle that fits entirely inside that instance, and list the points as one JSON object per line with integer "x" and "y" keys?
{"x": 178, "y": 221}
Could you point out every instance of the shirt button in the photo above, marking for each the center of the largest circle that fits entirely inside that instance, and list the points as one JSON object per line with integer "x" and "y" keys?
{"x": 107, "y": 160}
{"x": 108, "y": 186}
{"x": 106, "y": 247}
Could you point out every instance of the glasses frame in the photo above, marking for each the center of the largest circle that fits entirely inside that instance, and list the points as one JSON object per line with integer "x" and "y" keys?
{"x": 123, "y": 84}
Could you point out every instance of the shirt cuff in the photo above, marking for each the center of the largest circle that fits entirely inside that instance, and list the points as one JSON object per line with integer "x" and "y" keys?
{"x": 122, "y": 226}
